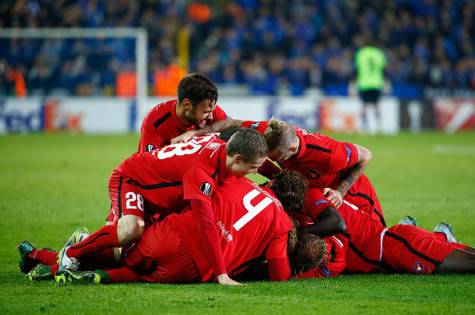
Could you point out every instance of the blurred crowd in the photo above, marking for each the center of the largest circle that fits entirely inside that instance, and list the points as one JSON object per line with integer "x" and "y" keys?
{"x": 268, "y": 46}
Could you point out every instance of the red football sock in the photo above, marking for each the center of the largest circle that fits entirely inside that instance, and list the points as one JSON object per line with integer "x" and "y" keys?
{"x": 44, "y": 256}
{"x": 123, "y": 274}
{"x": 105, "y": 237}
{"x": 54, "y": 269}
{"x": 440, "y": 236}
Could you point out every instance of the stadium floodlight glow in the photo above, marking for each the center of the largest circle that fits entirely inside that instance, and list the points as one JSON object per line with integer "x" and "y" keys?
{"x": 139, "y": 34}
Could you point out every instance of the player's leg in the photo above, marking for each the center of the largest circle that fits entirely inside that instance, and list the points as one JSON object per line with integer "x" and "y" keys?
{"x": 162, "y": 256}
{"x": 411, "y": 249}
{"x": 125, "y": 224}
{"x": 458, "y": 261}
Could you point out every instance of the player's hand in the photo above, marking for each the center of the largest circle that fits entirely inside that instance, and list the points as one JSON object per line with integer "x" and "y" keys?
{"x": 334, "y": 196}
{"x": 224, "y": 279}
{"x": 184, "y": 137}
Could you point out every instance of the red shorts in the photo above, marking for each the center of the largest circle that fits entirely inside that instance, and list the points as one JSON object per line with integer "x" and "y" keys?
{"x": 126, "y": 199}
{"x": 162, "y": 256}
{"x": 410, "y": 249}
{"x": 363, "y": 195}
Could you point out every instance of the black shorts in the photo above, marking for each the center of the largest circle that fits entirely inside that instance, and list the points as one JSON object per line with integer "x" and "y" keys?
{"x": 370, "y": 96}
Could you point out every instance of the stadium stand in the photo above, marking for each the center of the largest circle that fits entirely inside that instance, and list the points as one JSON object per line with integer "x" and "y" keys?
{"x": 268, "y": 46}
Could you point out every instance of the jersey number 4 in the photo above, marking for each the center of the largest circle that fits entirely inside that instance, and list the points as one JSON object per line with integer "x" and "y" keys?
{"x": 252, "y": 211}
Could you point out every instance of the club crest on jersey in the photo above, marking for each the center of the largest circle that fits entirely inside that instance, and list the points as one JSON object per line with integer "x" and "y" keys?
{"x": 312, "y": 173}
{"x": 206, "y": 188}
{"x": 418, "y": 267}
{"x": 150, "y": 147}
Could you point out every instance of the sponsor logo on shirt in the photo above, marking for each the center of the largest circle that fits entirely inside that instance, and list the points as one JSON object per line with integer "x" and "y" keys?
{"x": 226, "y": 234}
{"x": 206, "y": 188}
{"x": 313, "y": 173}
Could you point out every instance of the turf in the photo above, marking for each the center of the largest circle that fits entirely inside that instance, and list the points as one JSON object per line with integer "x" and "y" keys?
{"x": 51, "y": 184}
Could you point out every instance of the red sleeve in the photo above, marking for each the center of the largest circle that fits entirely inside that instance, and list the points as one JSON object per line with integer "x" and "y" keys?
{"x": 279, "y": 269}
{"x": 269, "y": 169}
{"x": 344, "y": 156}
{"x": 219, "y": 114}
{"x": 208, "y": 235}
{"x": 149, "y": 137}
{"x": 198, "y": 184}
{"x": 260, "y": 126}
{"x": 315, "y": 203}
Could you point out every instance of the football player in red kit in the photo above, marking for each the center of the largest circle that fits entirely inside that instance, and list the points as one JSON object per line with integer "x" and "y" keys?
{"x": 195, "y": 108}
{"x": 336, "y": 167}
{"x": 171, "y": 178}
{"x": 371, "y": 247}
{"x": 251, "y": 222}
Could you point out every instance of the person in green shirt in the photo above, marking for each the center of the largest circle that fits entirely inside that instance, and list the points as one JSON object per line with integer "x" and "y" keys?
{"x": 370, "y": 63}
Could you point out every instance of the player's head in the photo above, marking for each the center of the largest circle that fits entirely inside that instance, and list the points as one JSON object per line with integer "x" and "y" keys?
{"x": 246, "y": 150}
{"x": 310, "y": 252}
{"x": 290, "y": 188}
{"x": 281, "y": 139}
{"x": 198, "y": 96}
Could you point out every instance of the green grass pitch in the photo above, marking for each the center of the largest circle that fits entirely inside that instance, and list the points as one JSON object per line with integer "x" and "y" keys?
{"x": 51, "y": 184}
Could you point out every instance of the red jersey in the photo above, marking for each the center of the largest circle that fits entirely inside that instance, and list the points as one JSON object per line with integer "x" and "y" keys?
{"x": 260, "y": 126}
{"x": 321, "y": 158}
{"x": 363, "y": 230}
{"x": 170, "y": 176}
{"x": 250, "y": 221}
{"x": 161, "y": 125}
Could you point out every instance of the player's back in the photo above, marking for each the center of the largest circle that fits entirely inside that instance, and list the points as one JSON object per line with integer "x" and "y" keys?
{"x": 161, "y": 173}
{"x": 321, "y": 158}
{"x": 248, "y": 219}
{"x": 364, "y": 232}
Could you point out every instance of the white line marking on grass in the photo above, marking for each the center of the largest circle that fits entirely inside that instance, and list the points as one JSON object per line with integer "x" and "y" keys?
{"x": 453, "y": 149}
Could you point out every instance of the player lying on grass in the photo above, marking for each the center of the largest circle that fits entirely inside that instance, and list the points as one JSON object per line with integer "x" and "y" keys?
{"x": 369, "y": 247}
{"x": 252, "y": 223}
{"x": 166, "y": 180}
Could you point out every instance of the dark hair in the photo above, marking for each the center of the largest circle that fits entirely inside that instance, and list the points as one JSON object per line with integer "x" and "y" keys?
{"x": 309, "y": 253}
{"x": 292, "y": 236}
{"x": 226, "y": 134}
{"x": 279, "y": 133}
{"x": 247, "y": 142}
{"x": 290, "y": 188}
{"x": 197, "y": 87}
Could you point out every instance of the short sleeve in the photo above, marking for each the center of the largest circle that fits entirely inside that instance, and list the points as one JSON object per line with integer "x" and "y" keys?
{"x": 198, "y": 184}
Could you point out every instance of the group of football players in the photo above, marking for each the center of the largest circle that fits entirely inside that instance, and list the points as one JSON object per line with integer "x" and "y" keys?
{"x": 183, "y": 211}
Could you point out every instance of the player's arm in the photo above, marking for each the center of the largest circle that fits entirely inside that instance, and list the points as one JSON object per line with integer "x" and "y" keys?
{"x": 209, "y": 238}
{"x": 328, "y": 222}
{"x": 150, "y": 139}
{"x": 217, "y": 126}
{"x": 277, "y": 261}
{"x": 336, "y": 196}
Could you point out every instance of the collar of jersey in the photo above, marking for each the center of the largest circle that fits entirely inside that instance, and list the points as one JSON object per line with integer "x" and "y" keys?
{"x": 302, "y": 146}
